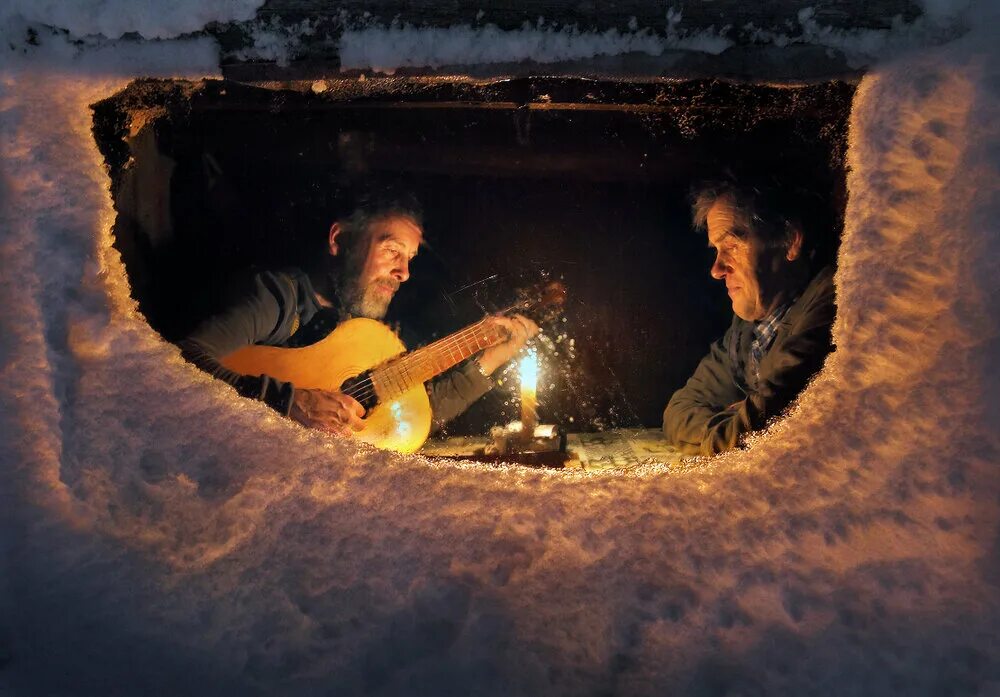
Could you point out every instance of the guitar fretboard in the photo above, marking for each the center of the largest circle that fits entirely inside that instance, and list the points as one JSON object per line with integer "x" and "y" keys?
{"x": 417, "y": 367}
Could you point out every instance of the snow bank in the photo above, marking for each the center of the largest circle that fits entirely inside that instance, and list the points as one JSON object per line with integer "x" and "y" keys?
{"x": 113, "y": 18}
{"x": 386, "y": 49}
{"x": 162, "y": 536}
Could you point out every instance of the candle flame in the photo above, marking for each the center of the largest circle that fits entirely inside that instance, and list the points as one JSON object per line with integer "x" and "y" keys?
{"x": 528, "y": 368}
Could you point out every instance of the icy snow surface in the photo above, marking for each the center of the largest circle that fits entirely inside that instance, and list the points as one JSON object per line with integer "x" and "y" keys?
{"x": 113, "y": 18}
{"x": 387, "y": 48}
{"x": 162, "y": 536}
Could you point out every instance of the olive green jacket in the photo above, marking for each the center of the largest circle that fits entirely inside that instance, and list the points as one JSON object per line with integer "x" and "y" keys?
{"x": 719, "y": 404}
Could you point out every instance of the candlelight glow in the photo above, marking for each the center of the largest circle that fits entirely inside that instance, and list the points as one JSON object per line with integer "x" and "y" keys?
{"x": 159, "y": 529}
{"x": 528, "y": 369}
{"x": 403, "y": 427}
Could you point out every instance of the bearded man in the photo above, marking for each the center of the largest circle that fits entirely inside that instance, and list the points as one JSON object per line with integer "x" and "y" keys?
{"x": 783, "y": 306}
{"x": 367, "y": 257}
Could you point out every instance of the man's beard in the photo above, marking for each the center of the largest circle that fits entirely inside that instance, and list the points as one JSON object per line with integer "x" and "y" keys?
{"x": 372, "y": 301}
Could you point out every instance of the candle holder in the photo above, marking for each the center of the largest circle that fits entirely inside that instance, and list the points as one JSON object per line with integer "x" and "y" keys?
{"x": 526, "y": 441}
{"x": 544, "y": 445}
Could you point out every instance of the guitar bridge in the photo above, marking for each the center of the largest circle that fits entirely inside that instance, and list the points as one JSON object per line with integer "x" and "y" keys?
{"x": 362, "y": 388}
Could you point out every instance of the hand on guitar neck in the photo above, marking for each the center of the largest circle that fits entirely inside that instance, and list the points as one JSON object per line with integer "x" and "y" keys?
{"x": 520, "y": 329}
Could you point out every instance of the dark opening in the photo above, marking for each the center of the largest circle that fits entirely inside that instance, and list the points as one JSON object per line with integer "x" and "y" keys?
{"x": 580, "y": 180}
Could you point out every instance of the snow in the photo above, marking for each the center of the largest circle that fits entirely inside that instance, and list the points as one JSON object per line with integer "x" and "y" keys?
{"x": 386, "y": 49}
{"x": 162, "y": 536}
{"x": 944, "y": 10}
{"x": 274, "y": 41}
{"x": 113, "y": 18}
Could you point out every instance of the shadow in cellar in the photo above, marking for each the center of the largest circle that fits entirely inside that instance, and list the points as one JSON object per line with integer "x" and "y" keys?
{"x": 520, "y": 180}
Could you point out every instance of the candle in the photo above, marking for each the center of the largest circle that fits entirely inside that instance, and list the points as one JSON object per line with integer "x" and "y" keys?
{"x": 529, "y": 400}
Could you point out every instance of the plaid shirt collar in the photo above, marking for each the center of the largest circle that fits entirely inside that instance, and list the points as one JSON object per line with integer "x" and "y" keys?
{"x": 764, "y": 332}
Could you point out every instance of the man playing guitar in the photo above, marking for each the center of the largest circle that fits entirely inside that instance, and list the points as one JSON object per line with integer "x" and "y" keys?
{"x": 369, "y": 253}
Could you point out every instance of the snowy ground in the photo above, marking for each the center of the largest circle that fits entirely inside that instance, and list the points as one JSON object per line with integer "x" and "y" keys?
{"x": 162, "y": 536}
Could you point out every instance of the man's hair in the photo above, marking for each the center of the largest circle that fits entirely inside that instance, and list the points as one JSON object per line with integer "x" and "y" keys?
{"x": 376, "y": 203}
{"x": 355, "y": 208}
{"x": 768, "y": 210}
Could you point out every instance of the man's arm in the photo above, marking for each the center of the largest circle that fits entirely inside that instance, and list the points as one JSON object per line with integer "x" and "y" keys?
{"x": 455, "y": 391}
{"x": 267, "y": 315}
{"x": 705, "y": 416}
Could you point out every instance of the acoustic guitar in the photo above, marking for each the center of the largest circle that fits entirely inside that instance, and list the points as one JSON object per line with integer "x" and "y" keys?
{"x": 363, "y": 358}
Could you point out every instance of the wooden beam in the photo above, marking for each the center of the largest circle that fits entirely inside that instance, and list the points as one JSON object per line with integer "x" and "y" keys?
{"x": 788, "y": 66}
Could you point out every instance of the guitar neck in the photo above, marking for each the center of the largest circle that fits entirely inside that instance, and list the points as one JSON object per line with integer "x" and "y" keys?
{"x": 417, "y": 367}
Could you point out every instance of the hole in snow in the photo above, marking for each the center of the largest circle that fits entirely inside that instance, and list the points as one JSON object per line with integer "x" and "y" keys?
{"x": 580, "y": 180}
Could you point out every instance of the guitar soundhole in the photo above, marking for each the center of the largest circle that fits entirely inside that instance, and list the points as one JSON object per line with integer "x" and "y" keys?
{"x": 362, "y": 389}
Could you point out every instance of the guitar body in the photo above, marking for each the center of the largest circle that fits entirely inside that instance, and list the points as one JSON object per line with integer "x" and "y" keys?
{"x": 355, "y": 346}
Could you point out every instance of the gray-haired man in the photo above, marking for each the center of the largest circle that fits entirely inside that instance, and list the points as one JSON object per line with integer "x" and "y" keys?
{"x": 783, "y": 306}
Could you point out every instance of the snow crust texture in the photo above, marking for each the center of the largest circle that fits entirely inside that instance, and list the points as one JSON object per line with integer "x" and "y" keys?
{"x": 386, "y": 49}
{"x": 389, "y": 48}
{"x": 113, "y": 18}
{"x": 161, "y": 535}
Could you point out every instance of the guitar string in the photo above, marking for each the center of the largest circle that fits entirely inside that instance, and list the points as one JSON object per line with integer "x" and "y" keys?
{"x": 420, "y": 359}
{"x": 366, "y": 389}
{"x": 424, "y": 356}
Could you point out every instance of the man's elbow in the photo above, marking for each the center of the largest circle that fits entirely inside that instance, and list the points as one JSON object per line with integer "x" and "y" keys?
{"x": 697, "y": 429}
{"x": 677, "y": 413}
{"x": 676, "y": 435}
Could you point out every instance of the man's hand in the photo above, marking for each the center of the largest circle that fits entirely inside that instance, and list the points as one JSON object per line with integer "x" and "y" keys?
{"x": 327, "y": 410}
{"x": 520, "y": 329}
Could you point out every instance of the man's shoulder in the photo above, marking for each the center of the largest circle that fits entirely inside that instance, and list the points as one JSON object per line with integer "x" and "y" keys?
{"x": 821, "y": 285}
{"x": 819, "y": 294}
{"x": 285, "y": 273}
{"x": 285, "y": 283}
{"x": 815, "y": 307}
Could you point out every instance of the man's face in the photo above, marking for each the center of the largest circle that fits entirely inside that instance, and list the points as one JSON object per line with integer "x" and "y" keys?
{"x": 755, "y": 274}
{"x": 392, "y": 243}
